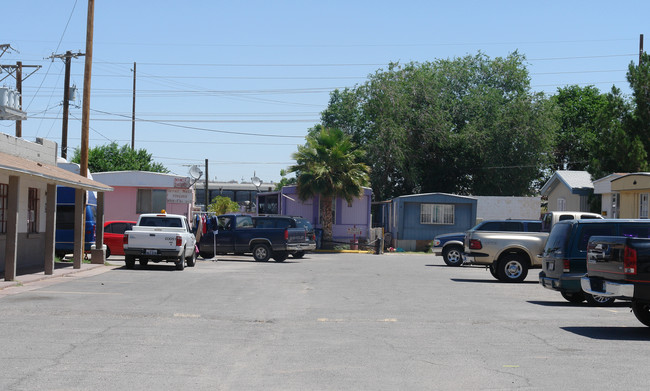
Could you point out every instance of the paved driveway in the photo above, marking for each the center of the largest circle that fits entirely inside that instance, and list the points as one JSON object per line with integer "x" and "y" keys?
{"x": 324, "y": 322}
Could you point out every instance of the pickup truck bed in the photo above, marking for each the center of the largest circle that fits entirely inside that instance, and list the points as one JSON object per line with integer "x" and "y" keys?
{"x": 239, "y": 234}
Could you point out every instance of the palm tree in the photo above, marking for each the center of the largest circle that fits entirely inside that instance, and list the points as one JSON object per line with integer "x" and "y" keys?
{"x": 328, "y": 166}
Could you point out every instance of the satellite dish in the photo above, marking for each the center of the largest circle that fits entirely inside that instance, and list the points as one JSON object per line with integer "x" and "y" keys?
{"x": 256, "y": 181}
{"x": 195, "y": 172}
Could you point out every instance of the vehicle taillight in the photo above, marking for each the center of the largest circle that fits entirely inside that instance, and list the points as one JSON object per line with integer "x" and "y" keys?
{"x": 125, "y": 239}
{"x": 566, "y": 266}
{"x": 475, "y": 244}
{"x": 179, "y": 240}
{"x": 629, "y": 260}
{"x": 286, "y": 234}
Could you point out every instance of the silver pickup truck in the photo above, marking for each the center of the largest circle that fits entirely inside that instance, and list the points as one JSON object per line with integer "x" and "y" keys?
{"x": 160, "y": 237}
{"x": 509, "y": 255}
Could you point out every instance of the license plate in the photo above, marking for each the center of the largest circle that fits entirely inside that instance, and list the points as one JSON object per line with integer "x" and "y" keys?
{"x": 151, "y": 252}
{"x": 550, "y": 266}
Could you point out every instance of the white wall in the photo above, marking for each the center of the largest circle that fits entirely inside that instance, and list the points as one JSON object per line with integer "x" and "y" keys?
{"x": 42, "y": 151}
{"x": 495, "y": 207}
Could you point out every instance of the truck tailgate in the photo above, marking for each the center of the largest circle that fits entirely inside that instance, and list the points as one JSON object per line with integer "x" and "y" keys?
{"x": 152, "y": 238}
{"x": 296, "y": 235}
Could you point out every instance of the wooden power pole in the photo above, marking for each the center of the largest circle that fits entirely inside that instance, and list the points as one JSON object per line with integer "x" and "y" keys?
{"x": 67, "y": 57}
{"x": 85, "y": 111}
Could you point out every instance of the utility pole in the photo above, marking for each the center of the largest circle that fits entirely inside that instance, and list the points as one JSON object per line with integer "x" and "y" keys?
{"x": 19, "y": 88}
{"x": 640, "y": 48}
{"x": 66, "y": 98}
{"x": 133, "y": 113}
{"x": 18, "y": 69}
{"x": 207, "y": 191}
{"x": 85, "y": 111}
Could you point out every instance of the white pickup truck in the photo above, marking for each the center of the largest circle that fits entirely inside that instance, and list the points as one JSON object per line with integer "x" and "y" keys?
{"x": 160, "y": 237}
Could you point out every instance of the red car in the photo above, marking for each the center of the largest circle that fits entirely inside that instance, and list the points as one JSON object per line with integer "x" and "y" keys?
{"x": 114, "y": 236}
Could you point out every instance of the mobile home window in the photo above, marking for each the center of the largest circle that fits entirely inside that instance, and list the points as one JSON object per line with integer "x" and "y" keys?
{"x": 151, "y": 200}
{"x": 643, "y": 206}
{"x": 436, "y": 214}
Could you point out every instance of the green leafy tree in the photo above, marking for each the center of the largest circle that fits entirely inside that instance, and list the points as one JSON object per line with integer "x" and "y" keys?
{"x": 639, "y": 78}
{"x": 221, "y": 205}
{"x": 284, "y": 181}
{"x": 329, "y": 166}
{"x": 468, "y": 125}
{"x": 617, "y": 149}
{"x": 112, "y": 157}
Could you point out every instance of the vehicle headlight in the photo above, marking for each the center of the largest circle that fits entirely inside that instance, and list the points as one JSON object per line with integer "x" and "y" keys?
{"x": 436, "y": 242}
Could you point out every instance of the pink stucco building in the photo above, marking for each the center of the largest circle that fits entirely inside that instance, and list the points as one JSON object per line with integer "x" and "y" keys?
{"x": 137, "y": 192}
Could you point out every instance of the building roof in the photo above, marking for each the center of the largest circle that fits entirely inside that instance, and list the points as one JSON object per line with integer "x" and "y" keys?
{"x": 14, "y": 165}
{"x": 576, "y": 181}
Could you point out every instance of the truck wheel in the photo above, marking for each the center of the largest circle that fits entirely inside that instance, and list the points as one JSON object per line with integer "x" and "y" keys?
{"x": 280, "y": 256}
{"x": 453, "y": 255}
{"x": 512, "y": 268}
{"x": 180, "y": 262}
{"x": 129, "y": 260}
{"x": 573, "y": 297}
{"x": 191, "y": 260}
{"x": 261, "y": 252}
{"x": 493, "y": 270}
{"x": 298, "y": 254}
{"x": 599, "y": 301}
{"x": 144, "y": 262}
{"x": 642, "y": 312}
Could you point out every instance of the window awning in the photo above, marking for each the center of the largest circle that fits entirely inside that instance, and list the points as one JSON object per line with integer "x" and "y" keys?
{"x": 14, "y": 165}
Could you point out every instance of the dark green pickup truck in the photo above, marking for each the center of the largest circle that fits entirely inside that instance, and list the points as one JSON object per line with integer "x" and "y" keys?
{"x": 265, "y": 237}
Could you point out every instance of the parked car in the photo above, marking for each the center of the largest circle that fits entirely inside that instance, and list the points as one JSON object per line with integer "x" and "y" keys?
{"x": 551, "y": 218}
{"x": 114, "y": 236}
{"x": 507, "y": 254}
{"x": 618, "y": 267}
{"x": 160, "y": 237}
{"x": 265, "y": 237}
{"x": 564, "y": 260}
{"x": 279, "y": 221}
{"x": 450, "y": 246}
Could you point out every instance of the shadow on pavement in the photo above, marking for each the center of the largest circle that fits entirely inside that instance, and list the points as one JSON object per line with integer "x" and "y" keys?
{"x": 612, "y": 333}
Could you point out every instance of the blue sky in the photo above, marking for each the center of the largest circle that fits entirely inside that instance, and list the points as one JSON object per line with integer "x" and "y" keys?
{"x": 240, "y": 82}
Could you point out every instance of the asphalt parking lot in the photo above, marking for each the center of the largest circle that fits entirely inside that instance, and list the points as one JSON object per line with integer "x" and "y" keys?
{"x": 324, "y": 322}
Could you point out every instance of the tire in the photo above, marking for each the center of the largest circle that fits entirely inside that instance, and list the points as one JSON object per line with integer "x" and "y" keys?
{"x": 599, "y": 301}
{"x": 129, "y": 260}
{"x": 108, "y": 252}
{"x": 280, "y": 256}
{"x": 493, "y": 271}
{"x": 191, "y": 260}
{"x": 453, "y": 255}
{"x": 261, "y": 252}
{"x": 180, "y": 262}
{"x": 642, "y": 312}
{"x": 144, "y": 262}
{"x": 298, "y": 254}
{"x": 512, "y": 268}
{"x": 573, "y": 297}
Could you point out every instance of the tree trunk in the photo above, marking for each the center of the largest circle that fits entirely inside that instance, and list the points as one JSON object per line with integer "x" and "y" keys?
{"x": 326, "y": 220}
